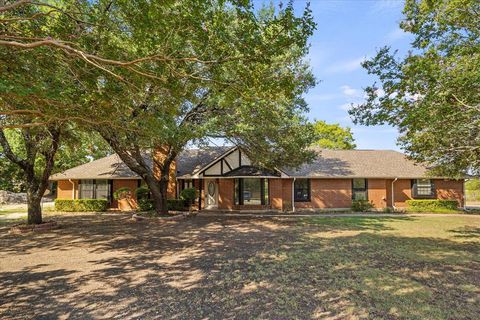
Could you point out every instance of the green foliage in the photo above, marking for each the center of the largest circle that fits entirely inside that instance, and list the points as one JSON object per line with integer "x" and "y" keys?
{"x": 145, "y": 204}
{"x": 176, "y": 204}
{"x": 122, "y": 193}
{"x": 142, "y": 192}
{"x": 81, "y": 205}
{"x": 78, "y": 147}
{"x": 189, "y": 195}
{"x": 172, "y": 204}
{"x": 362, "y": 205}
{"x": 432, "y": 95}
{"x": 473, "y": 184}
{"x": 431, "y": 205}
{"x": 333, "y": 136}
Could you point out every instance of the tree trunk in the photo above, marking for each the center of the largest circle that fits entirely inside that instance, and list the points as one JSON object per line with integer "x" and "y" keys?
{"x": 163, "y": 184}
{"x": 34, "y": 204}
{"x": 155, "y": 191}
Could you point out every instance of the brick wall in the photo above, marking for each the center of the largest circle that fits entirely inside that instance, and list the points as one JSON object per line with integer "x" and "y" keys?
{"x": 328, "y": 193}
{"x": 226, "y": 194}
{"x": 159, "y": 154}
{"x": 444, "y": 189}
{"x": 64, "y": 189}
{"x": 377, "y": 192}
{"x": 276, "y": 193}
{"x": 450, "y": 189}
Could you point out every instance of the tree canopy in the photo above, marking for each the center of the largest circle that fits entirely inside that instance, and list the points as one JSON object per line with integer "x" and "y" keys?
{"x": 150, "y": 74}
{"x": 333, "y": 136}
{"x": 433, "y": 94}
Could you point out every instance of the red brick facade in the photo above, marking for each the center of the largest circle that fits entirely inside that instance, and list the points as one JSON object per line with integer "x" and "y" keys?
{"x": 337, "y": 193}
{"x": 324, "y": 193}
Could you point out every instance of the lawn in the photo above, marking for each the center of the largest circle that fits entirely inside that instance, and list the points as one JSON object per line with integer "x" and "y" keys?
{"x": 104, "y": 266}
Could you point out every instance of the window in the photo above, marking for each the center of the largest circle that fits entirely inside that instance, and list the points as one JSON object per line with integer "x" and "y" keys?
{"x": 359, "y": 189}
{"x": 102, "y": 189}
{"x": 95, "y": 189}
{"x": 87, "y": 189}
{"x": 251, "y": 191}
{"x": 302, "y": 190}
{"x": 423, "y": 188}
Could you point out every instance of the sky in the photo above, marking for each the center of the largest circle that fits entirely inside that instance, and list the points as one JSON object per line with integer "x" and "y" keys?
{"x": 348, "y": 31}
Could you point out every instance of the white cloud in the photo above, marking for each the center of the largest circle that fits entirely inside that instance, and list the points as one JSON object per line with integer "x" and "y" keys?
{"x": 349, "y": 91}
{"x": 346, "y": 66}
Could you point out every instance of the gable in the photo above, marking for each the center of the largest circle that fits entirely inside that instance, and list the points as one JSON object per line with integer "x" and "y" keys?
{"x": 230, "y": 161}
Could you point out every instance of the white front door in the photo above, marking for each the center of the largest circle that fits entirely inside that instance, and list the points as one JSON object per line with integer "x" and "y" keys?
{"x": 211, "y": 192}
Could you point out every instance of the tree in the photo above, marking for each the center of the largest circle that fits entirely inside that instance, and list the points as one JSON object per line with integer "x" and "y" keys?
{"x": 79, "y": 148}
{"x": 333, "y": 136}
{"x": 249, "y": 94}
{"x": 151, "y": 74}
{"x": 433, "y": 94}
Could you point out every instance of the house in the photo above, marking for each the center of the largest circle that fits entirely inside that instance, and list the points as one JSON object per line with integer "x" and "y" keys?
{"x": 226, "y": 180}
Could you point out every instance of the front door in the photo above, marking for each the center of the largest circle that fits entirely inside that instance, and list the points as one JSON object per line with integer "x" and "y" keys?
{"x": 211, "y": 189}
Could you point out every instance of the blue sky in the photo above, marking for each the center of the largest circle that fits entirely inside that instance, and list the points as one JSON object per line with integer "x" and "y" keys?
{"x": 347, "y": 32}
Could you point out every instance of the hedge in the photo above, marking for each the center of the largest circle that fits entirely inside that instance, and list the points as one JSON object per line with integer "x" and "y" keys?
{"x": 81, "y": 205}
{"x": 431, "y": 205}
{"x": 172, "y": 204}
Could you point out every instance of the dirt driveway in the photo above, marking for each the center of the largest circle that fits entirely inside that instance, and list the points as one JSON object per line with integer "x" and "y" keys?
{"x": 106, "y": 267}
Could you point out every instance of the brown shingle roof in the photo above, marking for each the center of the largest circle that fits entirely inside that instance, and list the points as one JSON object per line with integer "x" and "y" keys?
{"x": 110, "y": 167}
{"x": 328, "y": 164}
{"x": 359, "y": 164}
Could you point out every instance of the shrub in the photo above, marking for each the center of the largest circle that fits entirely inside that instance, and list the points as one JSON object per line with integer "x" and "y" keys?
{"x": 142, "y": 192}
{"x": 361, "y": 205}
{"x": 176, "y": 204}
{"x": 188, "y": 195}
{"x": 81, "y": 205}
{"x": 122, "y": 193}
{"x": 172, "y": 204}
{"x": 432, "y": 205}
{"x": 145, "y": 204}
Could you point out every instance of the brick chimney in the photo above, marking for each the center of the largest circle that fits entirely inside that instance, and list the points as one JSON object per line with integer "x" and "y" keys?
{"x": 159, "y": 154}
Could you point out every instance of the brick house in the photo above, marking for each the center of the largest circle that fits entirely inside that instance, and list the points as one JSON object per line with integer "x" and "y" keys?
{"x": 226, "y": 180}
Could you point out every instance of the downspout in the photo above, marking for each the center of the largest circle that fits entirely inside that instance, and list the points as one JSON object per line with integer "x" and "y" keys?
{"x": 293, "y": 195}
{"x": 393, "y": 195}
{"x": 73, "y": 188}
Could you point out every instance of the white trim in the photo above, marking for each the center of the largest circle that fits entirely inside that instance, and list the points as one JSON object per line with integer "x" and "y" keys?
{"x": 73, "y": 188}
{"x": 393, "y": 194}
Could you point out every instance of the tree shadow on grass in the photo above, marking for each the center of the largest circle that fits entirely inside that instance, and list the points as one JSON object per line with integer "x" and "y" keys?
{"x": 235, "y": 268}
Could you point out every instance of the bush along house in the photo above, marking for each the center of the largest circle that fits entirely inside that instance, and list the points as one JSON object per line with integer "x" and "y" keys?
{"x": 226, "y": 180}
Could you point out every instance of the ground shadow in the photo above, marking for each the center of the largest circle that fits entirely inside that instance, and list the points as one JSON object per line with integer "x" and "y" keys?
{"x": 242, "y": 268}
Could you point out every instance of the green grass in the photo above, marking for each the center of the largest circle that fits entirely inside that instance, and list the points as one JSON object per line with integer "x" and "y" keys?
{"x": 379, "y": 267}
{"x": 8, "y": 211}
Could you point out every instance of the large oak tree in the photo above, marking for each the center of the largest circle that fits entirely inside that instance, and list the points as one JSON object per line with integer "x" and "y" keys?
{"x": 149, "y": 74}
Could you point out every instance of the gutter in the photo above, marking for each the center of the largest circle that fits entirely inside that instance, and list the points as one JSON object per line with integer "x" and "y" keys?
{"x": 293, "y": 195}
{"x": 393, "y": 195}
{"x": 73, "y": 189}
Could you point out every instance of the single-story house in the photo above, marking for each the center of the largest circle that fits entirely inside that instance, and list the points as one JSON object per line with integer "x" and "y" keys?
{"x": 226, "y": 180}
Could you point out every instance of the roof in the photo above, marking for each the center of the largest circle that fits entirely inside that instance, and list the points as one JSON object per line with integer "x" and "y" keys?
{"x": 359, "y": 164}
{"x": 328, "y": 164}
{"x": 109, "y": 167}
{"x": 189, "y": 162}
